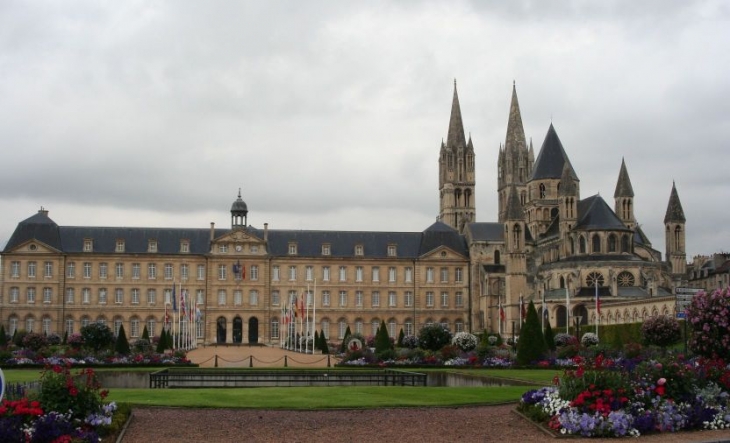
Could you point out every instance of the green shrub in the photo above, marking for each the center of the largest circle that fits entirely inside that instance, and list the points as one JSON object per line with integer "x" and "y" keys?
{"x": 79, "y": 395}
{"x": 97, "y": 336}
{"x": 34, "y": 341}
{"x": 531, "y": 346}
{"x": 661, "y": 331}
{"x": 549, "y": 337}
{"x": 434, "y": 337}
{"x": 121, "y": 346}
{"x": 382, "y": 339}
{"x": 18, "y": 337}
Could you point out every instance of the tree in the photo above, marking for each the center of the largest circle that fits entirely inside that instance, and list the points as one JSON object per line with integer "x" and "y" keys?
{"x": 145, "y": 334}
{"x": 343, "y": 345}
{"x": 531, "y": 345}
{"x": 3, "y": 336}
{"x": 661, "y": 331}
{"x": 549, "y": 336}
{"x": 323, "y": 343}
{"x": 316, "y": 340}
{"x": 121, "y": 346}
{"x": 434, "y": 337}
{"x": 162, "y": 342}
{"x": 97, "y": 336}
{"x": 382, "y": 339}
{"x": 708, "y": 320}
{"x": 401, "y": 336}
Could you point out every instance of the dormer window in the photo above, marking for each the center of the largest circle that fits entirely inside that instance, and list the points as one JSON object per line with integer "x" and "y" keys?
{"x": 223, "y": 249}
{"x": 359, "y": 250}
{"x": 254, "y": 249}
{"x": 326, "y": 249}
{"x": 184, "y": 246}
{"x": 392, "y": 251}
{"x": 292, "y": 249}
{"x": 120, "y": 246}
{"x": 88, "y": 245}
{"x": 152, "y": 246}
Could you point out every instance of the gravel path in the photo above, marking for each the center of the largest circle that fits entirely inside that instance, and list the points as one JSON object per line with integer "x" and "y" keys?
{"x": 416, "y": 425}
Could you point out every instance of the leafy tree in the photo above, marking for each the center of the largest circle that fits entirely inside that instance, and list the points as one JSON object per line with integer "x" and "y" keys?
{"x": 434, "y": 337}
{"x": 707, "y": 317}
{"x": 97, "y": 336}
{"x": 661, "y": 331}
{"x": 121, "y": 346}
{"x": 382, "y": 339}
{"x": 18, "y": 337}
{"x": 531, "y": 346}
{"x": 549, "y": 336}
{"x": 146, "y": 333}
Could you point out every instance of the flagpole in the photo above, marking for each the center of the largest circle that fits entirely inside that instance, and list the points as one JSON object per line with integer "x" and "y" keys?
{"x": 306, "y": 328}
{"x": 567, "y": 310}
{"x": 522, "y": 317}
{"x": 314, "y": 313}
{"x": 542, "y": 315}
{"x": 598, "y": 314}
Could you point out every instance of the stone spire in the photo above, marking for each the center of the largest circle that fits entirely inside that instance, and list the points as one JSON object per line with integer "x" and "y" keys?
{"x": 623, "y": 185}
{"x": 514, "y": 207}
{"x": 455, "y": 137}
{"x": 515, "y": 132}
{"x": 567, "y": 184}
{"x": 675, "y": 213}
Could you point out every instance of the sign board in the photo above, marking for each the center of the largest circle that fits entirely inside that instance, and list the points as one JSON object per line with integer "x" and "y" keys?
{"x": 684, "y": 297}
{"x": 681, "y": 315}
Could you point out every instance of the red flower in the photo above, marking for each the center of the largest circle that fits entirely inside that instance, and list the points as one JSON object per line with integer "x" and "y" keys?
{"x": 73, "y": 392}
{"x": 660, "y": 390}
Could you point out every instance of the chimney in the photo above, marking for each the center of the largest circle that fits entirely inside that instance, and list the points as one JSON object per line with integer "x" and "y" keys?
{"x": 266, "y": 232}
{"x": 212, "y": 231}
{"x": 43, "y": 211}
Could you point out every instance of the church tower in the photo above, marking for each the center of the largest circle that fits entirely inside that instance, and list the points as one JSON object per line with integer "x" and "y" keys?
{"x": 514, "y": 165}
{"x": 674, "y": 223}
{"x": 516, "y": 236}
{"x": 568, "y": 197}
{"x": 456, "y": 173}
{"x": 624, "y": 198}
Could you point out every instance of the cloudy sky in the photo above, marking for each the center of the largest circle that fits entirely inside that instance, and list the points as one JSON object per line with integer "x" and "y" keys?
{"x": 329, "y": 115}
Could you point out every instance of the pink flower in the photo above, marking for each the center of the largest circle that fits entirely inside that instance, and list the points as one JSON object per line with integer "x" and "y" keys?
{"x": 661, "y": 381}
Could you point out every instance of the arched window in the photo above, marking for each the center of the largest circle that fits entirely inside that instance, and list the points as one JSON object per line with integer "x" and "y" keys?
{"x": 677, "y": 238}
{"x": 625, "y": 243}
{"x": 496, "y": 257}
{"x": 562, "y": 282}
{"x": 611, "y": 243}
{"x": 516, "y": 236}
{"x": 542, "y": 190}
{"x": 596, "y": 243}
{"x": 582, "y": 245}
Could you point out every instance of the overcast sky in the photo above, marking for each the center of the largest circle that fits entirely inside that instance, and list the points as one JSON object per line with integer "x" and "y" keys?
{"x": 330, "y": 115}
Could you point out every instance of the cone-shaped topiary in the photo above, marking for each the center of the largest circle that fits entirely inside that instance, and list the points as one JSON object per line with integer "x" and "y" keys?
{"x": 549, "y": 336}
{"x": 316, "y": 340}
{"x": 531, "y": 345}
{"x": 382, "y": 339}
{"x": 401, "y": 336}
{"x": 323, "y": 343}
{"x": 161, "y": 342}
{"x": 121, "y": 346}
{"x": 343, "y": 345}
{"x": 146, "y": 334}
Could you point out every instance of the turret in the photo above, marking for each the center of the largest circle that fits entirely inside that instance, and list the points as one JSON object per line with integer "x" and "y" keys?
{"x": 674, "y": 224}
{"x": 624, "y": 198}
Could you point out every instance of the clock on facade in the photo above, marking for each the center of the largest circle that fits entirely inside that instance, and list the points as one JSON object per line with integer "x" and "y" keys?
{"x": 238, "y": 248}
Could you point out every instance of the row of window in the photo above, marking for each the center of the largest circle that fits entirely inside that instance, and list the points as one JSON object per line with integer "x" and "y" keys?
{"x": 102, "y": 296}
{"x": 375, "y": 276}
{"x": 121, "y": 246}
{"x": 374, "y": 299}
{"x": 359, "y": 251}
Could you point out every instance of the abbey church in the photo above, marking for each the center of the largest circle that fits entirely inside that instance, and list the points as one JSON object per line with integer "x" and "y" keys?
{"x": 547, "y": 244}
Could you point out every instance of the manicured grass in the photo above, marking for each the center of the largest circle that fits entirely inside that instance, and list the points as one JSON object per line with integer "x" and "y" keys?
{"x": 319, "y": 398}
{"x": 22, "y": 375}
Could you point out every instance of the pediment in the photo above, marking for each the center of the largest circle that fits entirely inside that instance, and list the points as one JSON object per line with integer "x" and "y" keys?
{"x": 239, "y": 242}
{"x": 33, "y": 246}
{"x": 443, "y": 253}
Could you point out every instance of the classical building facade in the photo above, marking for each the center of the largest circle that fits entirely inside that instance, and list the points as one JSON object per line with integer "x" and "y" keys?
{"x": 548, "y": 245}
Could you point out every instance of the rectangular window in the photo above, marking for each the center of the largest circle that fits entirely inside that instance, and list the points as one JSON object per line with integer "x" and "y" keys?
{"x": 429, "y": 275}
{"x": 152, "y": 246}
{"x": 409, "y": 274}
{"x": 120, "y": 246}
{"x": 222, "y": 272}
{"x": 358, "y": 299}
{"x": 253, "y": 297}
{"x": 343, "y": 273}
{"x": 102, "y": 296}
{"x": 201, "y": 272}
{"x": 459, "y": 300}
{"x": 134, "y": 328}
{"x": 292, "y": 273}
{"x": 237, "y": 297}
{"x": 135, "y": 296}
{"x": 184, "y": 272}
{"x": 119, "y": 270}
{"x": 136, "y": 271}
{"x": 14, "y": 294}
{"x": 70, "y": 295}
{"x": 444, "y": 299}
{"x": 392, "y": 274}
{"x": 375, "y": 300}
{"x": 343, "y": 298}
{"x": 392, "y": 251}
{"x": 71, "y": 270}
{"x": 221, "y": 297}
{"x": 69, "y": 326}
{"x": 274, "y": 328}
{"x": 325, "y": 298}
{"x": 87, "y": 270}
{"x": 392, "y": 299}
{"x": 184, "y": 247}
{"x": 168, "y": 271}
{"x": 429, "y": 299}
{"x": 152, "y": 271}
{"x": 275, "y": 273}
{"x": 459, "y": 275}
{"x": 167, "y": 294}
{"x": 103, "y": 270}
{"x": 15, "y": 269}
{"x": 326, "y": 249}
{"x": 86, "y": 296}
{"x": 325, "y": 273}
{"x": 151, "y": 296}
{"x": 292, "y": 249}
{"x": 48, "y": 269}
{"x": 254, "y": 249}
{"x": 444, "y": 275}
{"x": 359, "y": 250}
{"x": 199, "y": 294}
{"x": 46, "y": 326}
{"x": 376, "y": 273}
{"x": 31, "y": 269}
{"x": 88, "y": 245}
{"x": 275, "y": 298}
{"x": 254, "y": 272}
{"x": 408, "y": 299}
{"x": 118, "y": 296}
{"x": 47, "y": 293}
{"x": 309, "y": 273}
{"x": 358, "y": 274}
{"x": 30, "y": 295}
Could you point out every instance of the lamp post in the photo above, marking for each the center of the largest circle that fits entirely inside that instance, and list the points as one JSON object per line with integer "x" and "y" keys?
{"x": 578, "y": 319}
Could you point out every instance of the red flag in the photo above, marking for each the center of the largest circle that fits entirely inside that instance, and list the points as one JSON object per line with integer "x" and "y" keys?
{"x": 167, "y": 316}
{"x": 501, "y": 312}
{"x": 598, "y": 304}
{"x": 243, "y": 272}
{"x": 523, "y": 310}
{"x": 182, "y": 303}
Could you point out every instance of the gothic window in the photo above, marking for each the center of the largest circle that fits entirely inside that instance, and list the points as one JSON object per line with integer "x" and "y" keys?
{"x": 582, "y": 245}
{"x": 516, "y": 234}
{"x": 596, "y": 243}
{"x": 523, "y": 197}
{"x": 625, "y": 243}
{"x": 496, "y": 257}
{"x": 677, "y": 238}
{"x": 562, "y": 282}
{"x": 625, "y": 279}
{"x": 571, "y": 243}
{"x": 611, "y": 243}
{"x": 593, "y": 278}
{"x": 542, "y": 190}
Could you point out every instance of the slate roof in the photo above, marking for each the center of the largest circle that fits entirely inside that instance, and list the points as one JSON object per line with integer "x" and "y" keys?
{"x": 595, "y": 214}
{"x": 623, "y": 184}
{"x": 675, "y": 213}
{"x": 552, "y": 157}
{"x": 70, "y": 239}
{"x": 514, "y": 207}
{"x": 455, "y": 137}
{"x": 493, "y": 232}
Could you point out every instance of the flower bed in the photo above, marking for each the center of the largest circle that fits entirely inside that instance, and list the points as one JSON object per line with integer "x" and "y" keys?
{"x": 628, "y": 397}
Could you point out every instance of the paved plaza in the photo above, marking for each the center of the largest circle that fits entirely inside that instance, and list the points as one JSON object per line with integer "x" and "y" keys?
{"x": 238, "y": 356}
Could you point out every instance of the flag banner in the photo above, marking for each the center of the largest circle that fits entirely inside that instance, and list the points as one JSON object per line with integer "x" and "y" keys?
{"x": 182, "y": 303}
{"x": 174, "y": 303}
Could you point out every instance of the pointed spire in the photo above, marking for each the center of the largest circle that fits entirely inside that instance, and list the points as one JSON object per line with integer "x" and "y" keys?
{"x": 623, "y": 185}
{"x": 514, "y": 207}
{"x": 455, "y": 137}
{"x": 567, "y": 184}
{"x": 515, "y": 132}
{"x": 675, "y": 213}
{"x": 552, "y": 158}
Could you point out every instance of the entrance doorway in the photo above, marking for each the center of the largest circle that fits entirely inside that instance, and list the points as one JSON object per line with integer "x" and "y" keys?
{"x": 237, "y": 330}
{"x": 220, "y": 330}
{"x": 253, "y": 330}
